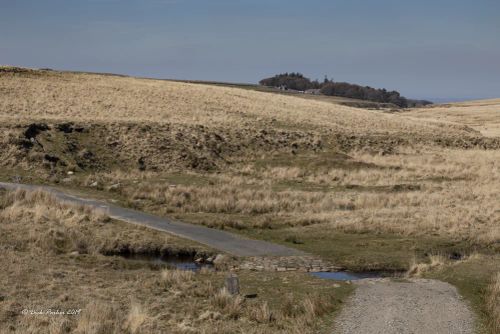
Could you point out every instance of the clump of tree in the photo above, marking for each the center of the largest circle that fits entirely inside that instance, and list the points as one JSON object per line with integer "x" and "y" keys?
{"x": 296, "y": 81}
{"x": 345, "y": 89}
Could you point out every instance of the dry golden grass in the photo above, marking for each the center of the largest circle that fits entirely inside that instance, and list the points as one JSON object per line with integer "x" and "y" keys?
{"x": 416, "y": 190}
{"x": 482, "y": 115}
{"x": 136, "y": 318}
{"x": 71, "y": 96}
{"x": 161, "y": 125}
{"x": 262, "y": 314}
{"x": 419, "y": 269}
{"x": 228, "y": 304}
{"x": 56, "y": 227}
{"x": 437, "y": 261}
{"x": 174, "y": 277}
{"x": 99, "y": 318}
{"x": 421, "y": 191}
{"x": 38, "y": 220}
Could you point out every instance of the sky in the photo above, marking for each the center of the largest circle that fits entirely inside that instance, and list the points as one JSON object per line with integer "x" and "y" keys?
{"x": 435, "y": 49}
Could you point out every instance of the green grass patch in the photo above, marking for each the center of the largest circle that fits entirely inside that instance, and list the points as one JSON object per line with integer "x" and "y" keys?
{"x": 360, "y": 251}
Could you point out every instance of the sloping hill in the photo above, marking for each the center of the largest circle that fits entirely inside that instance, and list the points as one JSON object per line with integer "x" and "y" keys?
{"x": 53, "y": 117}
{"x": 481, "y": 115}
{"x": 72, "y": 96}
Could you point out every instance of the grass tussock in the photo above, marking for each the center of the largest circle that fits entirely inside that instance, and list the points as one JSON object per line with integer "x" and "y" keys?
{"x": 50, "y": 224}
{"x": 102, "y": 318}
{"x": 99, "y": 318}
{"x": 176, "y": 277}
{"x": 314, "y": 307}
{"x": 136, "y": 317}
{"x": 38, "y": 221}
{"x": 439, "y": 261}
{"x": 261, "y": 313}
{"x": 301, "y": 314}
{"x": 228, "y": 304}
{"x": 419, "y": 269}
{"x": 41, "y": 205}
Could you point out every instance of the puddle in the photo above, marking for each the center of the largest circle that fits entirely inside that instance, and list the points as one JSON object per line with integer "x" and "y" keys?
{"x": 169, "y": 261}
{"x": 348, "y": 276}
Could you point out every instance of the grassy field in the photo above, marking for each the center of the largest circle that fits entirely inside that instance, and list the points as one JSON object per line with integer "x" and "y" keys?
{"x": 366, "y": 189}
{"x": 482, "y": 115}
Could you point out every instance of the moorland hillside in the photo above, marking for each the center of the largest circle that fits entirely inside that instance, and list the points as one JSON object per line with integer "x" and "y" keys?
{"x": 52, "y": 118}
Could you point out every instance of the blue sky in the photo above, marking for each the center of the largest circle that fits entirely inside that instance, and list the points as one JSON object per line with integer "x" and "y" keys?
{"x": 425, "y": 49}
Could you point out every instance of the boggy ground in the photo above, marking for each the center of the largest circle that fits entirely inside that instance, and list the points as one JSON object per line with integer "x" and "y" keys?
{"x": 365, "y": 189}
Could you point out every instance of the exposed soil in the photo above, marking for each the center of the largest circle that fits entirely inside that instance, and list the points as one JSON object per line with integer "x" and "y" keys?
{"x": 160, "y": 147}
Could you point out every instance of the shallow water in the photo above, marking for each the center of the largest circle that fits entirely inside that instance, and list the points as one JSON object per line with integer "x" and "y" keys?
{"x": 177, "y": 262}
{"x": 347, "y": 276}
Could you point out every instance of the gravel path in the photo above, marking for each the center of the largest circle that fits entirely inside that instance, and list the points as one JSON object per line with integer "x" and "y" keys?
{"x": 221, "y": 240}
{"x": 419, "y": 306}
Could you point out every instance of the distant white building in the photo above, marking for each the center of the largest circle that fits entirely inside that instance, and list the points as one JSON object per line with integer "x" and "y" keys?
{"x": 313, "y": 91}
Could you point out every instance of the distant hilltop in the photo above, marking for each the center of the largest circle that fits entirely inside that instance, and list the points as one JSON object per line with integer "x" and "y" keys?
{"x": 297, "y": 82}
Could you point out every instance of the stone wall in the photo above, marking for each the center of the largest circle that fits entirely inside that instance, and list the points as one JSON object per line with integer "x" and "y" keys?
{"x": 289, "y": 263}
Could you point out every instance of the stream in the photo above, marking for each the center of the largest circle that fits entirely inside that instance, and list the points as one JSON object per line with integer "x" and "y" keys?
{"x": 187, "y": 262}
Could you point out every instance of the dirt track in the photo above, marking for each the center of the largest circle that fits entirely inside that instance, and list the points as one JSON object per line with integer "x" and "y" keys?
{"x": 418, "y": 306}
